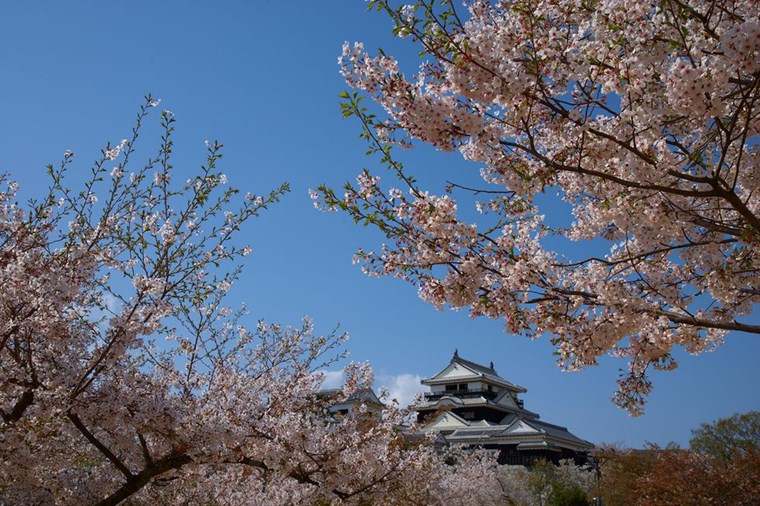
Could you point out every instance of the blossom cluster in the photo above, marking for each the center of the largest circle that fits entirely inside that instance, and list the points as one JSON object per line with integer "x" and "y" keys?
{"x": 643, "y": 118}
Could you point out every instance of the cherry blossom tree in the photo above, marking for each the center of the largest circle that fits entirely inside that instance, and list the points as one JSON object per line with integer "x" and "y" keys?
{"x": 641, "y": 116}
{"x": 123, "y": 375}
{"x": 546, "y": 484}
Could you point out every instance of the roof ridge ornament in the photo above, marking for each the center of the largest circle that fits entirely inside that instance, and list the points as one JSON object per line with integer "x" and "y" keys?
{"x": 456, "y": 355}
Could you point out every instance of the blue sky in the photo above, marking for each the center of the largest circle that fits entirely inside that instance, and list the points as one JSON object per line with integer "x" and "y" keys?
{"x": 261, "y": 76}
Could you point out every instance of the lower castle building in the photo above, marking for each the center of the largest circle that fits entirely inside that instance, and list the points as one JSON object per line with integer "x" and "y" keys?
{"x": 470, "y": 404}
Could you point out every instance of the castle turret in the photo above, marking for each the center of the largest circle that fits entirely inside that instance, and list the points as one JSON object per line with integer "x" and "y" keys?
{"x": 471, "y": 404}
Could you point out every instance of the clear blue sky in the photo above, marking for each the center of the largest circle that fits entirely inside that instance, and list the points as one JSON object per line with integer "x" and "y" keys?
{"x": 261, "y": 76}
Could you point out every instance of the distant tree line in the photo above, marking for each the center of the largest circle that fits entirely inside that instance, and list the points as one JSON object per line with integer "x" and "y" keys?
{"x": 721, "y": 466}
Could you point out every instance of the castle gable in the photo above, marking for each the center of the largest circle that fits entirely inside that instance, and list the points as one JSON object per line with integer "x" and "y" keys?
{"x": 447, "y": 422}
{"x": 522, "y": 428}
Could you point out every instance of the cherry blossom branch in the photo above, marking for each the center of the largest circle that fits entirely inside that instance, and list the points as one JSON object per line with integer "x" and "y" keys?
{"x": 702, "y": 322}
{"x": 108, "y": 454}
{"x": 139, "y": 480}
{"x": 642, "y": 121}
{"x": 24, "y": 401}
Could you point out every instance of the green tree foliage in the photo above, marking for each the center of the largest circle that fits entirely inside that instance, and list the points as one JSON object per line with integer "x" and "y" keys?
{"x": 562, "y": 485}
{"x": 564, "y": 494}
{"x": 727, "y": 438}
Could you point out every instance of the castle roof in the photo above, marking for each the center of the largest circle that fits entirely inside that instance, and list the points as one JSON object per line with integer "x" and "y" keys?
{"x": 461, "y": 370}
{"x": 364, "y": 396}
{"x": 503, "y": 403}
{"x": 517, "y": 430}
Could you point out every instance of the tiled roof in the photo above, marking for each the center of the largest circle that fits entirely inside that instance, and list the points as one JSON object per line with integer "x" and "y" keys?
{"x": 456, "y": 401}
{"x": 558, "y": 432}
{"x": 478, "y": 370}
{"x": 502, "y": 432}
{"x": 366, "y": 395}
{"x": 477, "y": 367}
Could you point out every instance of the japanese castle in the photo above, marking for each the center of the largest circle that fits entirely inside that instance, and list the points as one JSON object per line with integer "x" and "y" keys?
{"x": 471, "y": 404}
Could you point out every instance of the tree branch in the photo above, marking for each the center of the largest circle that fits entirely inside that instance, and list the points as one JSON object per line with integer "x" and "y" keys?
{"x": 123, "y": 469}
{"x": 711, "y": 324}
{"x": 26, "y": 400}
{"x": 141, "y": 479}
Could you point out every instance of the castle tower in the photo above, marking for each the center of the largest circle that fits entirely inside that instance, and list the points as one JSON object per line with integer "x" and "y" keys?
{"x": 471, "y": 404}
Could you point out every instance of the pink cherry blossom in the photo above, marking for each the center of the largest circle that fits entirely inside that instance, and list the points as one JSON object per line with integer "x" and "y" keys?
{"x": 125, "y": 377}
{"x": 643, "y": 118}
